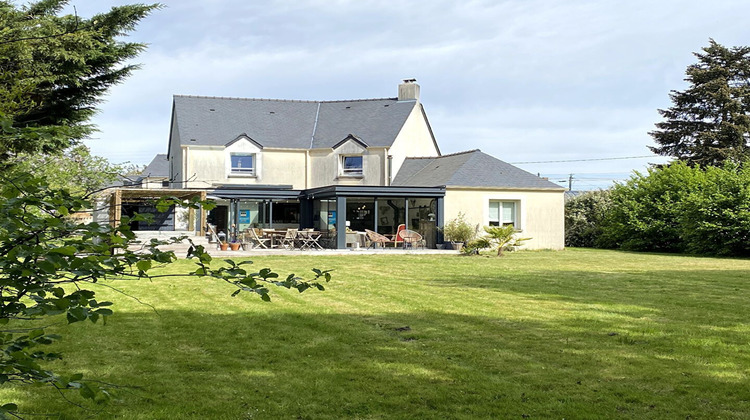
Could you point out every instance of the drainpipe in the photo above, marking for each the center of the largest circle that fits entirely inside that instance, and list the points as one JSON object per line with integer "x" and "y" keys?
{"x": 390, "y": 170}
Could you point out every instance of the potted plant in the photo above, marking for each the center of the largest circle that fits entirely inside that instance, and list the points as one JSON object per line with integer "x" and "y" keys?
{"x": 223, "y": 245}
{"x": 234, "y": 245}
{"x": 458, "y": 231}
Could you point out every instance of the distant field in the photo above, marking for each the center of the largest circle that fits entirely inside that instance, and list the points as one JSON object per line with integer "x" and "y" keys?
{"x": 576, "y": 334}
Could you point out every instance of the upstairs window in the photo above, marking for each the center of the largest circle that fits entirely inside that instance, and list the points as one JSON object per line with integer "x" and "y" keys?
{"x": 503, "y": 213}
{"x": 243, "y": 163}
{"x": 351, "y": 165}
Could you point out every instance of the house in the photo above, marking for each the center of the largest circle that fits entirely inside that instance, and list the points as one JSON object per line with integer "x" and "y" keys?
{"x": 350, "y": 164}
{"x": 156, "y": 173}
{"x": 490, "y": 192}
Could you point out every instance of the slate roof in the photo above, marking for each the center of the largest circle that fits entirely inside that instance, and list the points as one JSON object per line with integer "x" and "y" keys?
{"x": 472, "y": 168}
{"x": 158, "y": 168}
{"x": 215, "y": 121}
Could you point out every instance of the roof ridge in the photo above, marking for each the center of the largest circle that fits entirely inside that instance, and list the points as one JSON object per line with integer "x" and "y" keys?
{"x": 359, "y": 100}
{"x": 244, "y": 99}
{"x": 282, "y": 100}
{"x": 442, "y": 156}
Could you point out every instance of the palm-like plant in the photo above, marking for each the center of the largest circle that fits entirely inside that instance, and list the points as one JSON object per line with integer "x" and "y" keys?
{"x": 502, "y": 237}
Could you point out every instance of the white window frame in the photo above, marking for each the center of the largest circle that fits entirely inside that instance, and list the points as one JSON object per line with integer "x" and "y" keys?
{"x": 501, "y": 220}
{"x": 351, "y": 173}
{"x": 239, "y": 172}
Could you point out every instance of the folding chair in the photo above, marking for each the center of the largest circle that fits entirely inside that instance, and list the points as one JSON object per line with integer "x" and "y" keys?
{"x": 260, "y": 241}
{"x": 289, "y": 239}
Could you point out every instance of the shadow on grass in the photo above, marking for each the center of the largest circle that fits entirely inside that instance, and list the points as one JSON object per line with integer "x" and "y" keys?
{"x": 647, "y": 288}
{"x": 399, "y": 365}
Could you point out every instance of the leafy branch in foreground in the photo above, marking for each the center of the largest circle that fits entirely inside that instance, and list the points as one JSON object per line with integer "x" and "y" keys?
{"x": 47, "y": 261}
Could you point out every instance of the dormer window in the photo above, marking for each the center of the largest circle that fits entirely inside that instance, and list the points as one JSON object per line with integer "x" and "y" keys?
{"x": 243, "y": 163}
{"x": 351, "y": 165}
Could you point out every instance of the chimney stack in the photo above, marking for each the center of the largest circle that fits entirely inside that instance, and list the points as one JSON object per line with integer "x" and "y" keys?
{"x": 408, "y": 90}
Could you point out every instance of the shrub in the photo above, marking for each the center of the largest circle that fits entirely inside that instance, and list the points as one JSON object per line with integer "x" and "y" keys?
{"x": 583, "y": 217}
{"x": 679, "y": 208}
{"x": 459, "y": 230}
{"x": 715, "y": 218}
{"x": 646, "y": 208}
{"x": 502, "y": 237}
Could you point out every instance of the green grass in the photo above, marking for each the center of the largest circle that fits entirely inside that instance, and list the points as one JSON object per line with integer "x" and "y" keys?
{"x": 576, "y": 334}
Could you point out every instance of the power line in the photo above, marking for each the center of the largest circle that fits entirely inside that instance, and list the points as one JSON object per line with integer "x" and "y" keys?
{"x": 586, "y": 160}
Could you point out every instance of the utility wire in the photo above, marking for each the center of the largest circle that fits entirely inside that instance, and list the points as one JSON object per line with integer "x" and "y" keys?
{"x": 587, "y": 160}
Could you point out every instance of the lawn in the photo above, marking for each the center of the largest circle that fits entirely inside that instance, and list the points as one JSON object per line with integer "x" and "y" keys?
{"x": 575, "y": 334}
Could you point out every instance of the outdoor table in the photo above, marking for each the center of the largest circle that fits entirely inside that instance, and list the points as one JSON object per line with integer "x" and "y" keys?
{"x": 276, "y": 236}
{"x": 356, "y": 239}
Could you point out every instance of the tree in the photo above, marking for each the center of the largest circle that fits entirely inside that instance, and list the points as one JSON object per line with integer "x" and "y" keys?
{"x": 47, "y": 261}
{"x": 75, "y": 169}
{"x": 53, "y": 71}
{"x": 583, "y": 217}
{"x": 708, "y": 122}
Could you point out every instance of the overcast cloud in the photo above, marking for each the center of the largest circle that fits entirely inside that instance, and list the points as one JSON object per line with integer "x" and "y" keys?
{"x": 523, "y": 80}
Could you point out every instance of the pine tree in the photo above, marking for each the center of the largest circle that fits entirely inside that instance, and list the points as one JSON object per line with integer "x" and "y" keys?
{"x": 54, "y": 70}
{"x": 709, "y": 122}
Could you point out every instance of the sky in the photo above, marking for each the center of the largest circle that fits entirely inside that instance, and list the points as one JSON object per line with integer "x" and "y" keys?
{"x": 554, "y": 87}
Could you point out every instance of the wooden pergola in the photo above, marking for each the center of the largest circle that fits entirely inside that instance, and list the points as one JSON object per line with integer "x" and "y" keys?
{"x": 118, "y": 196}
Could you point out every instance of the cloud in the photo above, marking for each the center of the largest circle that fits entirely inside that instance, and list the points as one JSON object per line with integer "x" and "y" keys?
{"x": 526, "y": 80}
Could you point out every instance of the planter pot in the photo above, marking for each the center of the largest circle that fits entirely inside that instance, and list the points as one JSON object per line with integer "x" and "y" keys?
{"x": 456, "y": 246}
{"x": 224, "y": 246}
{"x": 235, "y": 246}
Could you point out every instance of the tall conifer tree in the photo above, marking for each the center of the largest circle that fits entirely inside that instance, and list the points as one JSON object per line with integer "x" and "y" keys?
{"x": 709, "y": 122}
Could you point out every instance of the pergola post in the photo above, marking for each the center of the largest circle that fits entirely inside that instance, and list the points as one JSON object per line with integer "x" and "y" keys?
{"x": 115, "y": 208}
{"x": 203, "y": 216}
{"x": 340, "y": 222}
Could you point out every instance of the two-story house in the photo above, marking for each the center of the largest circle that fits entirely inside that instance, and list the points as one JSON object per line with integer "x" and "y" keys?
{"x": 356, "y": 164}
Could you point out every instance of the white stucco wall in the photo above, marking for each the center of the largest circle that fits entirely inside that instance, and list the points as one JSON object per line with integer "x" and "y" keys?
{"x": 210, "y": 166}
{"x": 540, "y": 213}
{"x": 414, "y": 140}
{"x": 325, "y": 166}
{"x": 151, "y": 183}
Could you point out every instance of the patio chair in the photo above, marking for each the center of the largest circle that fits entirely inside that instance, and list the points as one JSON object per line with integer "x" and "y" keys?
{"x": 309, "y": 239}
{"x": 289, "y": 239}
{"x": 397, "y": 239}
{"x": 245, "y": 239}
{"x": 411, "y": 238}
{"x": 378, "y": 239}
{"x": 258, "y": 240}
{"x": 212, "y": 236}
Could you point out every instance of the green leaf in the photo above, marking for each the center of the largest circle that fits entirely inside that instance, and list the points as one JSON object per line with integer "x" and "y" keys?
{"x": 77, "y": 314}
{"x": 35, "y": 333}
{"x": 64, "y": 250}
{"x": 46, "y": 266}
{"x": 87, "y": 392}
{"x": 9, "y": 407}
{"x": 143, "y": 265}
